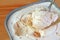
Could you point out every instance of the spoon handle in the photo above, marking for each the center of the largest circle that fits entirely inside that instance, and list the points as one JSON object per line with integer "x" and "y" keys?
{"x": 52, "y": 2}
{"x": 44, "y": 0}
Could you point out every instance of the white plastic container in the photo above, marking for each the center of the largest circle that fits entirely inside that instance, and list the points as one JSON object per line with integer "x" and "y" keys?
{"x": 14, "y": 16}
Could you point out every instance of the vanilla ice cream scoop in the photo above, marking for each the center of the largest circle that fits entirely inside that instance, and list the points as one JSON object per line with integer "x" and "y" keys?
{"x": 43, "y": 19}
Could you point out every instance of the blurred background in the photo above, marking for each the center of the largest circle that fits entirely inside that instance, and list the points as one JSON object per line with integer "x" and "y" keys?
{"x": 8, "y": 5}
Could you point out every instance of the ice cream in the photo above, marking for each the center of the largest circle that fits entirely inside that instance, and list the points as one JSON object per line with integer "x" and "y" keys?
{"x": 43, "y": 18}
{"x": 32, "y": 24}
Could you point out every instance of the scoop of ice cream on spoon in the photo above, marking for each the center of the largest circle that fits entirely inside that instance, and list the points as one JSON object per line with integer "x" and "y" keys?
{"x": 43, "y": 19}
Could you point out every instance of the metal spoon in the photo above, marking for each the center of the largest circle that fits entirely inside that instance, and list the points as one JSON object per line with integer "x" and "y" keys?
{"x": 52, "y": 2}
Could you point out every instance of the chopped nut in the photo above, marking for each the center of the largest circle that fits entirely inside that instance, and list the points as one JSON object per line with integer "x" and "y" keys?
{"x": 36, "y": 34}
{"x": 17, "y": 29}
{"x": 18, "y": 32}
{"x": 27, "y": 20}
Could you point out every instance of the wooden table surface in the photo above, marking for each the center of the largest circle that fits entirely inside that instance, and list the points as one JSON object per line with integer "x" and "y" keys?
{"x": 5, "y": 7}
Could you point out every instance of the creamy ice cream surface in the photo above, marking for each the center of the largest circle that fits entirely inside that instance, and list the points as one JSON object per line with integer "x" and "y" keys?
{"x": 31, "y": 25}
{"x": 43, "y": 18}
